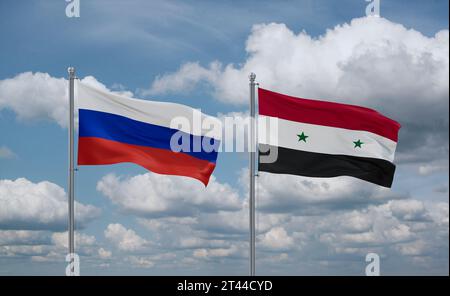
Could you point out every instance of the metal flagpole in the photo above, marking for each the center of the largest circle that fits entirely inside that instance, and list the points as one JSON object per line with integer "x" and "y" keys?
{"x": 71, "y": 71}
{"x": 252, "y": 146}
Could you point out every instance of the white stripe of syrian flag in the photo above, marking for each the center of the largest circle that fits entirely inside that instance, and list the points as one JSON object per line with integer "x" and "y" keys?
{"x": 324, "y": 139}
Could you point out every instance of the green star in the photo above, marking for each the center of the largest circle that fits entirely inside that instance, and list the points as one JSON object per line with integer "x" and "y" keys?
{"x": 302, "y": 137}
{"x": 358, "y": 144}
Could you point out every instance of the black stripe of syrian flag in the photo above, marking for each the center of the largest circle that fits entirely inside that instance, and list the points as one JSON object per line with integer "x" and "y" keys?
{"x": 324, "y": 139}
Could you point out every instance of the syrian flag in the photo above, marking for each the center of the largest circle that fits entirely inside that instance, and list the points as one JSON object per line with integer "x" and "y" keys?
{"x": 325, "y": 139}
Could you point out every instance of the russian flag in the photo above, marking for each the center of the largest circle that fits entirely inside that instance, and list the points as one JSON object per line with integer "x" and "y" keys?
{"x": 116, "y": 129}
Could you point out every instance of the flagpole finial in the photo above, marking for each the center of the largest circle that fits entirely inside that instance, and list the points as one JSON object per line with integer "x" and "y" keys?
{"x": 71, "y": 71}
{"x": 252, "y": 77}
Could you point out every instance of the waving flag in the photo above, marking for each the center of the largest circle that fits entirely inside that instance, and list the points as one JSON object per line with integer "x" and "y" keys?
{"x": 115, "y": 129}
{"x": 324, "y": 139}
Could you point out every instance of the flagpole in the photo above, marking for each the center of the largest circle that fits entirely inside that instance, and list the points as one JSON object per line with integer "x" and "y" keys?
{"x": 71, "y": 199}
{"x": 252, "y": 146}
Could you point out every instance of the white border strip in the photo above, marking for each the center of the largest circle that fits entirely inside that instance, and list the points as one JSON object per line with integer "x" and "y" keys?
{"x": 326, "y": 139}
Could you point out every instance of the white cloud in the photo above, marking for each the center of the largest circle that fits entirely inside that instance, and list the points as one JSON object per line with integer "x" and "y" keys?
{"x": 407, "y": 232}
{"x": 38, "y": 95}
{"x": 328, "y": 65}
{"x": 439, "y": 213}
{"x": 323, "y": 220}
{"x": 27, "y": 205}
{"x": 23, "y": 237}
{"x": 294, "y": 194}
{"x": 398, "y": 233}
{"x": 35, "y": 95}
{"x": 397, "y": 223}
{"x": 429, "y": 169}
{"x": 43, "y": 246}
{"x": 370, "y": 61}
{"x": 414, "y": 248}
{"x": 60, "y": 240}
{"x": 118, "y": 88}
{"x": 212, "y": 253}
{"x": 185, "y": 79}
{"x": 153, "y": 195}
{"x": 162, "y": 224}
{"x": 355, "y": 221}
{"x": 24, "y": 250}
{"x": 409, "y": 210}
{"x": 124, "y": 239}
{"x": 140, "y": 262}
{"x": 384, "y": 231}
{"x": 5, "y": 152}
{"x": 237, "y": 223}
{"x": 163, "y": 259}
{"x": 277, "y": 239}
{"x": 104, "y": 254}
{"x": 191, "y": 242}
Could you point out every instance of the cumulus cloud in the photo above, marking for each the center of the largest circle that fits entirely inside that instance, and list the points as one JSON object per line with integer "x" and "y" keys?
{"x": 408, "y": 231}
{"x": 277, "y": 239}
{"x": 370, "y": 61}
{"x": 371, "y": 50}
{"x": 237, "y": 223}
{"x": 409, "y": 210}
{"x": 175, "y": 211}
{"x": 185, "y": 79}
{"x": 310, "y": 196}
{"x": 439, "y": 213}
{"x": 182, "y": 235}
{"x": 24, "y": 250}
{"x": 149, "y": 261}
{"x": 104, "y": 254}
{"x": 25, "y": 205}
{"x": 140, "y": 261}
{"x": 429, "y": 169}
{"x": 60, "y": 239}
{"x": 415, "y": 248}
{"x": 23, "y": 237}
{"x": 34, "y": 96}
{"x": 153, "y": 195}
{"x": 324, "y": 220}
{"x": 43, "y": 246}
{"x": 214, "y": 253}
{"x": 124, "y": 239}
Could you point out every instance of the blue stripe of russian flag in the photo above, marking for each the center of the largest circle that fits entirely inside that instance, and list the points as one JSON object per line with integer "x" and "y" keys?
{"x": 125, "y": 130}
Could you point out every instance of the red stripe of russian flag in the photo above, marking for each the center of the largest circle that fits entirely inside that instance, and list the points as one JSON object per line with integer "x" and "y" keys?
{"x": 98, "y": 151}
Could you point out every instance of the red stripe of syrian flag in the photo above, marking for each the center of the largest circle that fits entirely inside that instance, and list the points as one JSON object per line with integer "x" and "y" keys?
{"x": 324, "y": 139}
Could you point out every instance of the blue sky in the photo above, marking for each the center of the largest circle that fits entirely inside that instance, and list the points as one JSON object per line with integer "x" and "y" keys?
{"x": 397, "y": 64}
